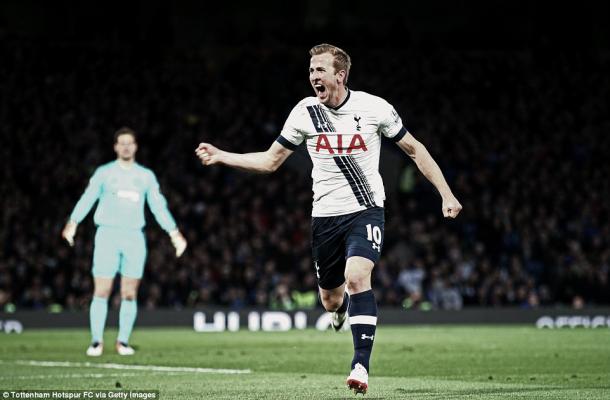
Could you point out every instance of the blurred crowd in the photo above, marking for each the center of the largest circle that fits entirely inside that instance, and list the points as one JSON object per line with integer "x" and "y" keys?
{"x": 522, "y": 137}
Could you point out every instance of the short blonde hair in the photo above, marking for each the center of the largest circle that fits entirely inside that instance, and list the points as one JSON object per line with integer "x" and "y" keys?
{"x": 342, "y": 59}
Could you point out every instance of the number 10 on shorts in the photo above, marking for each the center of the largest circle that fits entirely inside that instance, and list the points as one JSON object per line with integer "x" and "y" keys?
{"x": 373, "y": 234}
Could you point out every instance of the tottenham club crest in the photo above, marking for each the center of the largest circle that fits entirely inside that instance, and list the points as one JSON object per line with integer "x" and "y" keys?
{"x": 357, "y": 119}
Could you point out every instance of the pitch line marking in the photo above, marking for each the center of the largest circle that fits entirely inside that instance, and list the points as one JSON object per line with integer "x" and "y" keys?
{"x": 154, "y": 368}
{"x": 73, "y": 376}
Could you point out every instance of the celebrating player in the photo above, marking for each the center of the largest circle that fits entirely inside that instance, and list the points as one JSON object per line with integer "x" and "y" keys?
{"x": 121, "y": 187}
{"x": 342, "y": 129}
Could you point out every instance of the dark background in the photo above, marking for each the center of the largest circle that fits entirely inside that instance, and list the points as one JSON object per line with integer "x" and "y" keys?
{"x": 461, "y": 24}
{"x": 510, "y": 97}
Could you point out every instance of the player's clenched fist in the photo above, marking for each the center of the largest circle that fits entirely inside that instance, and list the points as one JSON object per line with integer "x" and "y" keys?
{"x": 207, "y": 153}
{"x": 451, "y": 207}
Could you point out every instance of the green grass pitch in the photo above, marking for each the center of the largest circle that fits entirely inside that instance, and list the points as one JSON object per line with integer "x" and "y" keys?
{"x": 440, "y": 362}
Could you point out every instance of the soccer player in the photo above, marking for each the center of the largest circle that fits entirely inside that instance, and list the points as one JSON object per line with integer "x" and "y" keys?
{"x": 342, "y": 129}
{"x": 121, "y": 186}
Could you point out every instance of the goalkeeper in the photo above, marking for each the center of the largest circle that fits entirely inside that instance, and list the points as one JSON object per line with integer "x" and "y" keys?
{"x": 121, "y": 186}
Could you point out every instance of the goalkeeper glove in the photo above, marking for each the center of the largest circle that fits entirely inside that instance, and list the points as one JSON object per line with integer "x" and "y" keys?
{"x": 178, "y": 241}
{"x": 69, "y": 232}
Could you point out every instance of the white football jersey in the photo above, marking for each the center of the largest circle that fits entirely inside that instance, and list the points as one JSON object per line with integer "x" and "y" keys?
{"x": 344, "y": 144}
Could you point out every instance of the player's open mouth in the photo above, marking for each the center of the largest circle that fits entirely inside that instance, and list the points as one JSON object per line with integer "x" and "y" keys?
{"x": 320, "y": 89}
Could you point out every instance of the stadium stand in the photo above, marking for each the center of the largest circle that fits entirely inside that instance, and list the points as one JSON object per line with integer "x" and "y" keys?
{"x": 522, "y": 134}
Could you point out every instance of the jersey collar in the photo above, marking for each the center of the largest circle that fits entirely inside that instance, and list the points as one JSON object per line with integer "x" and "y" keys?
{"x": 349, "y": 92}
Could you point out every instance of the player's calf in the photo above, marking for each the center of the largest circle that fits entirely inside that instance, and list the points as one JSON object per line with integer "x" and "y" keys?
{"x": 338, "y": 320}
{"x": 338, "y": 317}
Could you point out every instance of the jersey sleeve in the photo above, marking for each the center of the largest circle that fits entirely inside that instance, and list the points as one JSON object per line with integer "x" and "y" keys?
{"x": 158, "y": 205}
{"x": 390, "y": 123}
{"x": 292, "y": 136}
{"x": 88, "y": 198}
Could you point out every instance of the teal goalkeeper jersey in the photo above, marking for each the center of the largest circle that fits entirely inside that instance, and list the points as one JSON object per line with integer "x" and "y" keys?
{"x": 121, "y": 193}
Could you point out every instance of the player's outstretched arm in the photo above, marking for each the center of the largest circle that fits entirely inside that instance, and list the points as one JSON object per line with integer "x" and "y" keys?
{"x": 426, "y": 164}
{"x": 264, "y": 162}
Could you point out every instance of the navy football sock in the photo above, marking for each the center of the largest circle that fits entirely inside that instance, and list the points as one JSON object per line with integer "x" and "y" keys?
{"x": 343, "y": 307}
{"x": 363, "y": 320}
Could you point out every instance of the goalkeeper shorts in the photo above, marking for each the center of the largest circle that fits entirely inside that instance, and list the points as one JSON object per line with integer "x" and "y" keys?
{"x": 119, "y": 250}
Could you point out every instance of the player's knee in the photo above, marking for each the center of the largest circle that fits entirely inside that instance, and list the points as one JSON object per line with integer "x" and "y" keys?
{"x": 357, "y": 282}
{"x": 358, "y": 275}
{"x": 130, "y": 296}
{"x": 128, "y": 293}
{"x": 103, "y": 293}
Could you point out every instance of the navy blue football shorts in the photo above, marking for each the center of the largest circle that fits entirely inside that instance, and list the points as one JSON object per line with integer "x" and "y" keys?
{"x": 335, "y": 239}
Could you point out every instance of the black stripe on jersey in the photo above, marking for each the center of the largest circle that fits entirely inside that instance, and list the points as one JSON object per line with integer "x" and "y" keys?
{"x": 286, "y": 143}
{"x": 353, "y": 181}
{"x": 401, "y": 133}
{"x": 320, "y": 119}
{"x": 320, "y": 116}
{"x": 317, "y": 122}
{"x": 363, "y": 181}
{"x": 326, "y": 119}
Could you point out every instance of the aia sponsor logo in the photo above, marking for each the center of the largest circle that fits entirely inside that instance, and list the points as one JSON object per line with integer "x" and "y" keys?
{"x": 334, "y": 144}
